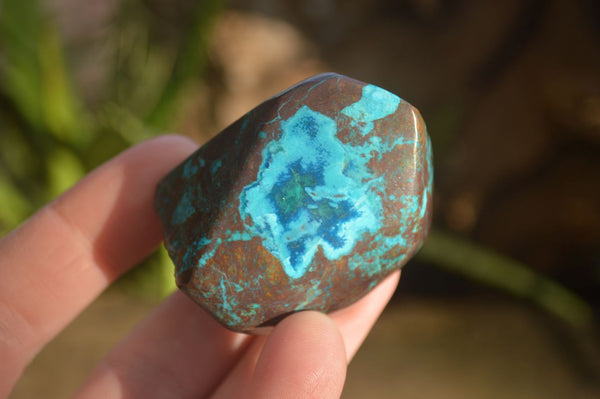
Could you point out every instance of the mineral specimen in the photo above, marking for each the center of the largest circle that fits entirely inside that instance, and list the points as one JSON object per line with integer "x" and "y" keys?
{"x": 306, "y": 202}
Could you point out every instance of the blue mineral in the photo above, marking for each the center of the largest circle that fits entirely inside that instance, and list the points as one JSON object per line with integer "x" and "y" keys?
{"x": 306, "y": 202}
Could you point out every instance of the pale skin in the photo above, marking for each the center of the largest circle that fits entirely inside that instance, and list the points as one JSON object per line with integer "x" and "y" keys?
{"x": 63, "y": 257}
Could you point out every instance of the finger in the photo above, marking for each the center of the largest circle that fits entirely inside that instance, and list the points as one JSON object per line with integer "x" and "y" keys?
{"x": 356, "y": 320}
{"x": 184, "y": 351}
{"x": 353, "y": 322}
{"x": 303, "y": 357}
{"x": 179, "y": 351}
{"x": 64, "y": 256}
{"x": 235, "y": 383}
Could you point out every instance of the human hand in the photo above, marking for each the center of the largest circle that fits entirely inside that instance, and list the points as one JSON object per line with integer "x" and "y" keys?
{"x": 62, "y": 258}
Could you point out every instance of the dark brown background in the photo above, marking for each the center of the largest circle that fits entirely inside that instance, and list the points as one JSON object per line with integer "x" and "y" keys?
{"x": 511, "y": 94}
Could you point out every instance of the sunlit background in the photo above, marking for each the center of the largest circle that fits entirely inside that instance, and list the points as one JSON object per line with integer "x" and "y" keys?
{"x": 502, "y": 302}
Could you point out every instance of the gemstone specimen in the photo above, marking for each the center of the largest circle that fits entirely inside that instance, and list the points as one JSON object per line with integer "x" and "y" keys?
{"x": 306, "y": 202}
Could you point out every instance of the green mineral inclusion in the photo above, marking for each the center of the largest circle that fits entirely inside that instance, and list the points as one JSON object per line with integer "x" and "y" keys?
{"x": 314, "y": 191}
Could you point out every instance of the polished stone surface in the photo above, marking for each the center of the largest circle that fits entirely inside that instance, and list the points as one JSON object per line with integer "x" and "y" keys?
{"x": 306, "y": 202}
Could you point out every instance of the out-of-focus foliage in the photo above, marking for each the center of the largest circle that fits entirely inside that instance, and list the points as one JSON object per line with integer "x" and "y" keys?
{"x": 484, "y": 266}
{"x": 50, "y": 137}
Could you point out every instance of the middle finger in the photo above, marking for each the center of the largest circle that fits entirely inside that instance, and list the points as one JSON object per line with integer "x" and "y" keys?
{"x": 177, "y": 351}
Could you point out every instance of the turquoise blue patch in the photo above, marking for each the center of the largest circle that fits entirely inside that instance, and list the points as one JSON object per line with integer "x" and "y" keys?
{"x": 310, "y": 193}
{"x": 374, "y": 104}
{"x": 313, "y": 191}
{"x": 185, "y": 209}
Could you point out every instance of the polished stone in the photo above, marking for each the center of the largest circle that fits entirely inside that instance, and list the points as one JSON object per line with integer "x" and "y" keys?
{"x": 306, "y": 202}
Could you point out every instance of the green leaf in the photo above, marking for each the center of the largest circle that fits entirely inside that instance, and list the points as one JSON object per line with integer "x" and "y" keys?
{"x": 190, "y": 61}
{"x": 61, "y": 110}
{"x": 34, "y": 73}
{"x": 20, "y": 23}
{"x": 14, "y": 206}
{"x": 64, "y": 170}
{"x": 153, "y": 279}
{"x": 487, "y": 267}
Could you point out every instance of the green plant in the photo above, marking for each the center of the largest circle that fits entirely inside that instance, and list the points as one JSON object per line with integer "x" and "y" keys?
{"x": 50, "y": 136}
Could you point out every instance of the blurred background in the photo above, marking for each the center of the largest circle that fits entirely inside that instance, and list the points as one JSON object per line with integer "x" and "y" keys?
{"x": 502, "y": 301}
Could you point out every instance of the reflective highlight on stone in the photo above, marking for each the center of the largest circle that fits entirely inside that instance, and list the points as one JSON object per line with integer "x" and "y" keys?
{"x": 307, "y": 202}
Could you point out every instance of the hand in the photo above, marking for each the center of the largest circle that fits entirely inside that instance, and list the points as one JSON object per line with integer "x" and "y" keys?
{"x": 62, "y": 258}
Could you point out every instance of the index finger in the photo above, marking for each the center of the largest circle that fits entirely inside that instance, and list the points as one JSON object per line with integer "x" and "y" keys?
{"x": 58, "y": 261}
